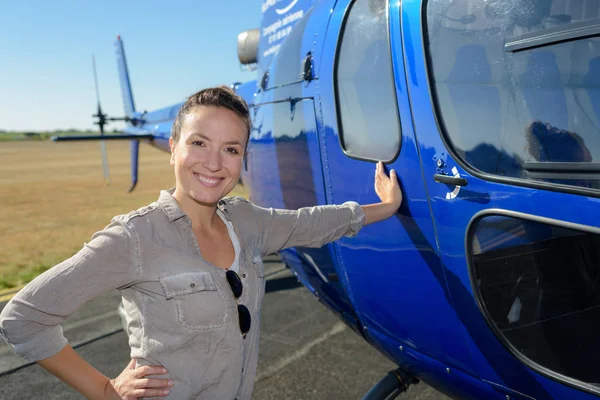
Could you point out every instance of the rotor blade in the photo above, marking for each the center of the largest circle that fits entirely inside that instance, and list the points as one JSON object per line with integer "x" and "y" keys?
{"x": 100, "y": 116}
{"x": 104, "y": 156}
{"x": 96, "y": 81}
{"x": 105, "y": 162}
{"x": 124, "y": 136}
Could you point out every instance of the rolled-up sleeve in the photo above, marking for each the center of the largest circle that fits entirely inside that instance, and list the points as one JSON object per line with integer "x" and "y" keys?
{"x": 307, "y": 227}
{"x": 30, "y": 322}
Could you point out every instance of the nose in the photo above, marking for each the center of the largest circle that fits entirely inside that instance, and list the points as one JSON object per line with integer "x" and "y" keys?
{"x": 213, "y": 161}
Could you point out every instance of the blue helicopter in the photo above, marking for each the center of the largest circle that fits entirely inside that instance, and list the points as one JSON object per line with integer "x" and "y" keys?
{"x": 486, "y": 284}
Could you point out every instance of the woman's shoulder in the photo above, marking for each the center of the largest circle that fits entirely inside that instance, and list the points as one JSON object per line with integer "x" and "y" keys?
{"x": 240, "y": 212}
{"x": 233, "y": 200}
{"x": 235, "y": 207}
{"x": 140, "y": 215}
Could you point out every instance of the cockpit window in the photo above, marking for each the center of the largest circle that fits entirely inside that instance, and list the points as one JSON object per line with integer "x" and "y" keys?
{"x": 364, "y": 84}
{"x": 539, "y": 287}
{"x": 516, "y": 85}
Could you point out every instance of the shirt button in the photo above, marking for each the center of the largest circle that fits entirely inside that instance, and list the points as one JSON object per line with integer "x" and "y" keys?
{"x": 192, "y": 285}
{"x": 243, "y": 275}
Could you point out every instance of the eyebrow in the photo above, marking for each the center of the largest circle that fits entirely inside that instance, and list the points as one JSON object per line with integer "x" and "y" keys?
{"x": 235, "y": 142}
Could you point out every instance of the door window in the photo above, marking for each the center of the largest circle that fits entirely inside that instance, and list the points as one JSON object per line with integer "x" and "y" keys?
{"x": 517, "y": 86}
{"x": 364, "y": 84}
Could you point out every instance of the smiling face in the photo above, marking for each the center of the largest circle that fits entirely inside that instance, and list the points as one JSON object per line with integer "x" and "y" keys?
{"x": 208, "y": 155}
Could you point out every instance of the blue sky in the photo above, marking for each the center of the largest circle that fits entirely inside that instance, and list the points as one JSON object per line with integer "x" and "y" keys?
{"x": 173, "y": 48}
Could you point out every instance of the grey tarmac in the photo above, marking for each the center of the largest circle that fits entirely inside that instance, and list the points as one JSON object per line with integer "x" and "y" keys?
{"x": 305, "y": 351}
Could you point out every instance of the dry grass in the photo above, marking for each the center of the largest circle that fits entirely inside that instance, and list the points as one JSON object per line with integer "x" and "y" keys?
{"x": 53, "y": 198}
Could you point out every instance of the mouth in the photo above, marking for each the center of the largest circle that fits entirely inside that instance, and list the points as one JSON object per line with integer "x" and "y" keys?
{"x": 210, "y": 182}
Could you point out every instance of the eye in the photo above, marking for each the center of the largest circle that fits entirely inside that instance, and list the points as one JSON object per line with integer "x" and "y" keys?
{"x": 232, "y": 150}
{"x": 198, "y": 143}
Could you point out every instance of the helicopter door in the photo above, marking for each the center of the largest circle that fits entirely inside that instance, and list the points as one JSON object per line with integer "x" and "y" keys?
{"x": 507, "y": 117}
{"x": 393, "y": 274}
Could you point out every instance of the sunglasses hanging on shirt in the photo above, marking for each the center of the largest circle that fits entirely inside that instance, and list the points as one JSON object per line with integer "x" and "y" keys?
{"x": 235, "y": 283}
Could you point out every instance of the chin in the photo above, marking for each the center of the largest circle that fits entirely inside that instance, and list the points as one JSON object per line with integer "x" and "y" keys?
{"x": 206, "y": 199}
{"x": 209, "y": 197}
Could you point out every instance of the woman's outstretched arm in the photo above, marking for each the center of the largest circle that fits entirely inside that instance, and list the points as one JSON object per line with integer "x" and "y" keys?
{"x": 316, "y": 226}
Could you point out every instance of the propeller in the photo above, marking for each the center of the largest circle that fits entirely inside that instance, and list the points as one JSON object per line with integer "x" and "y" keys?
{"x": 104, "y": 119}
{"x": 101, "y": 122}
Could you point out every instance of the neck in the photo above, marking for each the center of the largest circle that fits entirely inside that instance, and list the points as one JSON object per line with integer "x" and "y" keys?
{"x": 203, "y": 216}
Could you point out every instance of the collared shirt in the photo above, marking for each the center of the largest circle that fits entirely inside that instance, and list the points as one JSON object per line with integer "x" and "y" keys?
{"x": 180, "y": 311}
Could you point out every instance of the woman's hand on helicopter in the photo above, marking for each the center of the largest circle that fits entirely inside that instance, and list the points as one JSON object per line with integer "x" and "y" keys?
{"x": 388, "y": 188}
{"x": 389, "y": 192}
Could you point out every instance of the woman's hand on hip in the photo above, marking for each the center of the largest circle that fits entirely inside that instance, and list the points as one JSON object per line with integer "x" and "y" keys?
{"x": 132, "y": 383}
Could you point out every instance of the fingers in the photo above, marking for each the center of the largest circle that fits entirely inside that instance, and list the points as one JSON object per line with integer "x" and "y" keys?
{"x": 379, "y": 170}
{"x": 153, "y": 383}
{"x": 380, "y": 173}
{"x": 149, "y": 370}
{"x": 131, "y": 364}
{"x": 151, "y": 393}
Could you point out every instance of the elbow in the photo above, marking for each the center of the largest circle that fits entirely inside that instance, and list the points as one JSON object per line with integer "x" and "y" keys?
{"x": 7, "y": 323}
{"x": 31, "y": 341}
{"x": 357, "y": 218}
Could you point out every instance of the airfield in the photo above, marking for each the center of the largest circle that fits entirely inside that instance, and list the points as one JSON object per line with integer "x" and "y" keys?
{"x": 54, "y": 197}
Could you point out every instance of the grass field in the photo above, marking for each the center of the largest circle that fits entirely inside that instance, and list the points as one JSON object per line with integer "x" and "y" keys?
{"x": 53, "y": 198}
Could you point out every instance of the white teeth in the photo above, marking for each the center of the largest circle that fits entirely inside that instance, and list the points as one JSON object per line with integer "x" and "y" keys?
{"x": 208, "y": 181}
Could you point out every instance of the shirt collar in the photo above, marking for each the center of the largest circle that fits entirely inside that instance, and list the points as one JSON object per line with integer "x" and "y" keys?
{"x": 169, "y": 205}
{"x": 171, "y": 208}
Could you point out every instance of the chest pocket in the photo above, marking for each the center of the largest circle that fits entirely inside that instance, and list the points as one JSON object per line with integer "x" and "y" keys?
{"x": 198, "y": 301}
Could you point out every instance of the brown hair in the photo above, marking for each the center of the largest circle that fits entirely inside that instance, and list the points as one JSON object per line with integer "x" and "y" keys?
{"x": 220, "y": 96}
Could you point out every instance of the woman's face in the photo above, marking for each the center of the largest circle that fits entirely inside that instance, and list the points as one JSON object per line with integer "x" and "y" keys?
{"x": 207, "y": 158}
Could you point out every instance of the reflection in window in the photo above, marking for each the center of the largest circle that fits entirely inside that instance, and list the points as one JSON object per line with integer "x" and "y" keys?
{"x": 506, "y": 112}
{"x": 540, "y": 285}
{"x": 365, "y": 84}
{"x": 549, "y": 144}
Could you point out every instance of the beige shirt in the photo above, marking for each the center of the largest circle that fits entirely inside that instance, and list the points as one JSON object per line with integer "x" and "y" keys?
{"x": 181, "y": 313}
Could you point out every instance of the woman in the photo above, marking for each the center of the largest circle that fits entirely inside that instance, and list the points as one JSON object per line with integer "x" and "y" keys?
{"x": 188, "y": 267}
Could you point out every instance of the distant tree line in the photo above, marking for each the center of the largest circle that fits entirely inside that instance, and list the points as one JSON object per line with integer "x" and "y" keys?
{"x": 6, "y": 135}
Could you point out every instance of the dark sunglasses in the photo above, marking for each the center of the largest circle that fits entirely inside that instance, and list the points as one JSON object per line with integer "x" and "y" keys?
{"x": 235, "y": 283}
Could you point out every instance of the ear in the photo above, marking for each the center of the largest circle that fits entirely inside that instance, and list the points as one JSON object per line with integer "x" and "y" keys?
{"x": 172, "y": 146}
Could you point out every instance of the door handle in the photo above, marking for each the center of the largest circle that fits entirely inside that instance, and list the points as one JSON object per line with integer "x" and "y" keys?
{"x": 450, "y": 180}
